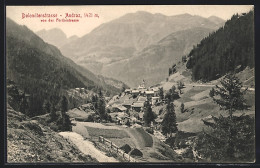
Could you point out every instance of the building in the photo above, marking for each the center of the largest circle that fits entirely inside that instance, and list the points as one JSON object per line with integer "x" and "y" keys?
{"x": 87, "y": 106}
{"x": 135, "y": 92}
{"x": 149, "y": 94}
{"x": 127, "y": 104}
{"x": 156, "y": 91}
{"x": 118, "y": 108}
{"x": 138, "y": 106}
{"x": 128, "y": 91}
{"x": 142, "y": 99}
{"x": 155, "y": 100}
{"x": 141, "y": 116}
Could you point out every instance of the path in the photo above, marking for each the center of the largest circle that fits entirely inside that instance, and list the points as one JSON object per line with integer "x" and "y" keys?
{"x": 87, "y": 147}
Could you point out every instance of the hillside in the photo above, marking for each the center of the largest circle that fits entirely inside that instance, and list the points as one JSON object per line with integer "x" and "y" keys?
{"x": 29, "y": 141}
{"x": 229, "y": 48}
{"x": 152, "y": 62}
{"x": 40, "y": 70}
{"x": 123, "y": 38}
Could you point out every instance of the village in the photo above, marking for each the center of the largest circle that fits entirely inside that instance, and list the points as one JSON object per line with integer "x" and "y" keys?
{"x": 126, "y": 109}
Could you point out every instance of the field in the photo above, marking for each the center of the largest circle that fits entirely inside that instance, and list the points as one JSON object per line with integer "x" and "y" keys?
{"x": 135, "y": 137}
{"x": 199, "y": 105}
{"x": 106, "y": 133}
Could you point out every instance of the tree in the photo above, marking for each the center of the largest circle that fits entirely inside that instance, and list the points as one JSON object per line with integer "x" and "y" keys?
{"x": 101, "y": 105}
{"x": 13, "y": 96}
{"x": 161, "y": 94}
{"x": 94, "y": 100}
{"x": 66, "y": 123}
{"x": 47, "y": 106}
{"x": 230, "y": 97}
{"x": 53, "y": 114}
{"x": 169, "y": 124}
{"x": 64, "y": 105}
{"x": 123, "y": 89}
{"x": 212, "y": 92}
{"x": 228, "y": 133}
{"x": 180, "y": 86}
{"x": 170, "y": 71}
{"x": 23, "y": 106}
{"x": 182, "y": 108}
{"x": 184, "y": 59}
{"x": 149, "y": 115}
{"x": 172, "y": 94}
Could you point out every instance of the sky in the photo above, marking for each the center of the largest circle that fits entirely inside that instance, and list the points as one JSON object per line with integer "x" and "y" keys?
{"x": 107, "y": 13}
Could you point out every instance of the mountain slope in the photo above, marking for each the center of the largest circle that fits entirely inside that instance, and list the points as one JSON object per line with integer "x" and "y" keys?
{"x": 41, "y": 70}
{"x": 229, "y": 48}
{"x": 122, "y": 38}
{"x": 152, "y": 63}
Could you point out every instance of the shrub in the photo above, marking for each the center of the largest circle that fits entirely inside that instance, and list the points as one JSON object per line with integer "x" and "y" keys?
{"x": 149, "y": 130}
{"x": 34, "y": 127}
{"x": 126, "y": 148}
{"x": 136, "y": 152}
{"x": 170, "y": 141}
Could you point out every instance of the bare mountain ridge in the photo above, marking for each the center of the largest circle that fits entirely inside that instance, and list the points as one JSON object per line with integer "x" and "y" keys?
{"x": 122, "y": 38}
{"x": 55, "y": 37}
{"x": 152, "y": 63}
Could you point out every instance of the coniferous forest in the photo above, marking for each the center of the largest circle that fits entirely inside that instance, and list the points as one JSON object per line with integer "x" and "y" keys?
{"x": 230, "y": 48}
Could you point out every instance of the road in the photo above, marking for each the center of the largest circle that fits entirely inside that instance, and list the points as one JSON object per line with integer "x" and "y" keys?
{"x": 210, "y": 85}
{"x": 87, "y": 147}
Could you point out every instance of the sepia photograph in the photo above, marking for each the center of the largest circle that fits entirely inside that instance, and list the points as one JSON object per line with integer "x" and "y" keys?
{"x": 161, "y": 84}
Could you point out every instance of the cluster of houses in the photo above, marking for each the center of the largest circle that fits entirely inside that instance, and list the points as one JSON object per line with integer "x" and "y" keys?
{"x": 132, "y": 110}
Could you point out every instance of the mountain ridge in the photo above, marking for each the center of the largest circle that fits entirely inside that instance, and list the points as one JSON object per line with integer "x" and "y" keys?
{"x": 124, "y": 37}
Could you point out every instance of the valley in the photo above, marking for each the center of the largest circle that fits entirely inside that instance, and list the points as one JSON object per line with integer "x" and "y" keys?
{"x": 141, "y": 88}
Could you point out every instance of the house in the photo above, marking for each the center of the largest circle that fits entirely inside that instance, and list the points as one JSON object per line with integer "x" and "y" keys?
{"x": 122, "y": 118}
{"x": 156, "y": 91}
{"x": 142, "y": 91}
{"x": 149, "y": 94}
{"x": 107, "y": 99}
{"x": 138, "y": 106}
{"x": 141, "y": 116}
{"x": 142, "y": 99}
{"x": 86, "y": 106}
{"x": 155, "y": 100}
{"x": 133, "y": 120}
{"x": 115, "y": 97}
{"x": 135, "y": 92}
{"x": 127, "y": 104}
{"x": 118, "y": 108}
{"x": 127, "y": 91}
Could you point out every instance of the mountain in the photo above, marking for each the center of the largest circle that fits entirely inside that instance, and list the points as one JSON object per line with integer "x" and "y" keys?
{"x": 55, "y": 37}
{"x": 123, "y": 38}
{"x": 230, "y": 48}
{"x": 216, "y": 20}
{"x": 42, "y": 71}
{"x": 152, "y": 63}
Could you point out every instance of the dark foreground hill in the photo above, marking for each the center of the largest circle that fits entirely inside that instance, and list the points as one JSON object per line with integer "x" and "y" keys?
{"x": 29, "y": 141}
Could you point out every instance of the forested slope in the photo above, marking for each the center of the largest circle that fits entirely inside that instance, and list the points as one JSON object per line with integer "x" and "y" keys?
{"x": 229, "y": 48}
